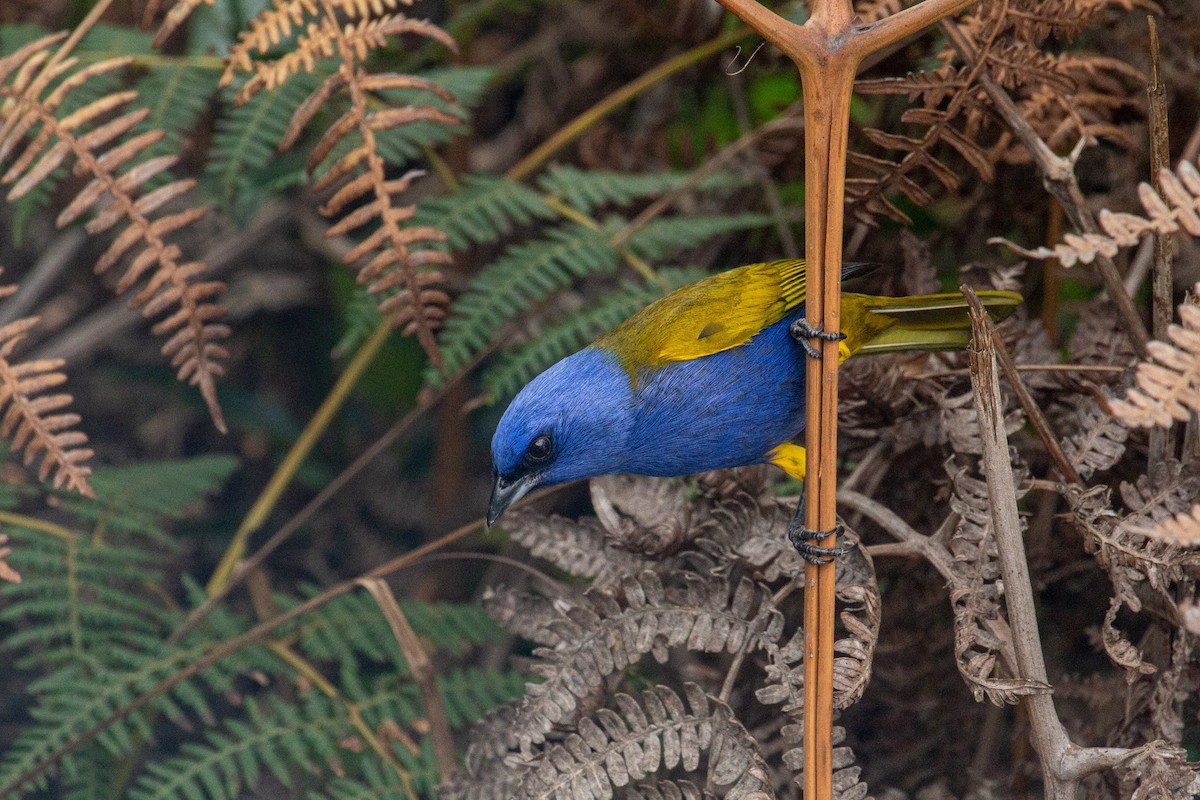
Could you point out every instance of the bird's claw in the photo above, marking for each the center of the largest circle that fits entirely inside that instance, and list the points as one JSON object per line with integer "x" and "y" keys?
{"x": 802, "y": 537}
{"x": 802, "y": 331}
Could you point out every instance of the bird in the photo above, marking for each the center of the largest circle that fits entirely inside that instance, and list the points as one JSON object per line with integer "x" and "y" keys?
{"x": 708, "y": 377}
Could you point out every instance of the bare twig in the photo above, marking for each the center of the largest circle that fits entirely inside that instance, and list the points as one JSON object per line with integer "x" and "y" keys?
{"x": 1058, "y": 174}
{"x": 44, "y": 274}
{"x": 422, "y": 672}
{"x": 1049, "y": 737}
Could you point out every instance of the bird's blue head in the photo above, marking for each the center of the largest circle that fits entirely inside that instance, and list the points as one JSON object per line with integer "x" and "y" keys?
{"x": 570, "y": 422}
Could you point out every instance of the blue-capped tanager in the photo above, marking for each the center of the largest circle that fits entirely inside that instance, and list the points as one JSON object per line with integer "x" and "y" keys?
{"x": 710, "y": 376}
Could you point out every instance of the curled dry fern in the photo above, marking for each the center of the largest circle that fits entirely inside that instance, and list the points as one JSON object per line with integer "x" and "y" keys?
{"x": 394, "y": 259}
{"x": 34, "y": 84}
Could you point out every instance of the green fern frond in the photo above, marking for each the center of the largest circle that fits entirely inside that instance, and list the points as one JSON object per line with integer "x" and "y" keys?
{"x": 176, "y": 94}
{"x": 486, "y": 208}
{"x": 70, "y": 700}
{"x": 516, "y": 367}
{"x": 88, "y": 775}
{"x": 248, "y": 136}
{"x": 526, "y": 274}
{"x": 80, "y": 599}
{"x": 468, "y": 694}
{"x": 468, "y": 84}
{"x": 351, "y": 628}
{"x": 140, "y": 500}
{"x": 589, "y": 190}
{"x": 274, "y": 737}
{"x": 668, "y": 236}
{"x": 312, "y": 732}
{"x": 114, "y": 41}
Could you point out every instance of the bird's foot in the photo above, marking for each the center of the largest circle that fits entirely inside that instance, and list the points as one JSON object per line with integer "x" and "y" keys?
{"x": 802, "y": 331}
{"x": 802, "y": 538}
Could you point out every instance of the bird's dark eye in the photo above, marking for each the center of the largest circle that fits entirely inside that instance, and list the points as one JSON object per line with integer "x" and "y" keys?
{"x": 539, "y": 448}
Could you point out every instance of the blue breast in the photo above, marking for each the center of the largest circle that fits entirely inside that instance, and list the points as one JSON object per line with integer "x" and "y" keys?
{"x": 724, "y": 410}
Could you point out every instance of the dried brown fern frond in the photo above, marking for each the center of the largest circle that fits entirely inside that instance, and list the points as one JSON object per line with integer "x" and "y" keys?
{"x": 36, "y": 422}
{"x": 1168, "y": 385}
{"x": 1094, "y": 441}
{"x": 1065, "y": 19}
{"x": 396, "y": 262}
{"x": 1136, "y": 561}
{"x": 784, "y": 686}
{"x": 7, "y": 573}
{"x": 275, "y": 25}
{"x": 1159, "y": 770}
{"x": 34, "y": 142}
{"x": 625, "y": 746}
{"x": 578, "y": 547}
{"x": 981, "y": 631}
{"x": 861, "y": 613}
{"x": 1065, "y": 96}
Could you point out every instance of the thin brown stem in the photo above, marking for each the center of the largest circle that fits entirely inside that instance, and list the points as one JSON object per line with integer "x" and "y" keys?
{"x": 1162, "y": 307}
{"x": 828, "y": 51}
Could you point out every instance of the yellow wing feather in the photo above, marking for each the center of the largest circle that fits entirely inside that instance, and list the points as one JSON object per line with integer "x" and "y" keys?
{"x": 717, "y": 313}
{"x": 726, "y": 310}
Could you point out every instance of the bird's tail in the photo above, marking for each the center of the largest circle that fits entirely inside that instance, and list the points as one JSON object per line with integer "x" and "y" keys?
{"x": 927, "y": 322}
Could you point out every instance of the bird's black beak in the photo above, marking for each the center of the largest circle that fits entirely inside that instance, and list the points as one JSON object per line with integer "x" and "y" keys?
{"x": 506, "y": 492}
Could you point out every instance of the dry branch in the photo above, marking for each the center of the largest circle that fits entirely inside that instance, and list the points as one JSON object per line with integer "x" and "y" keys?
{"x": 827, "y": 50}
